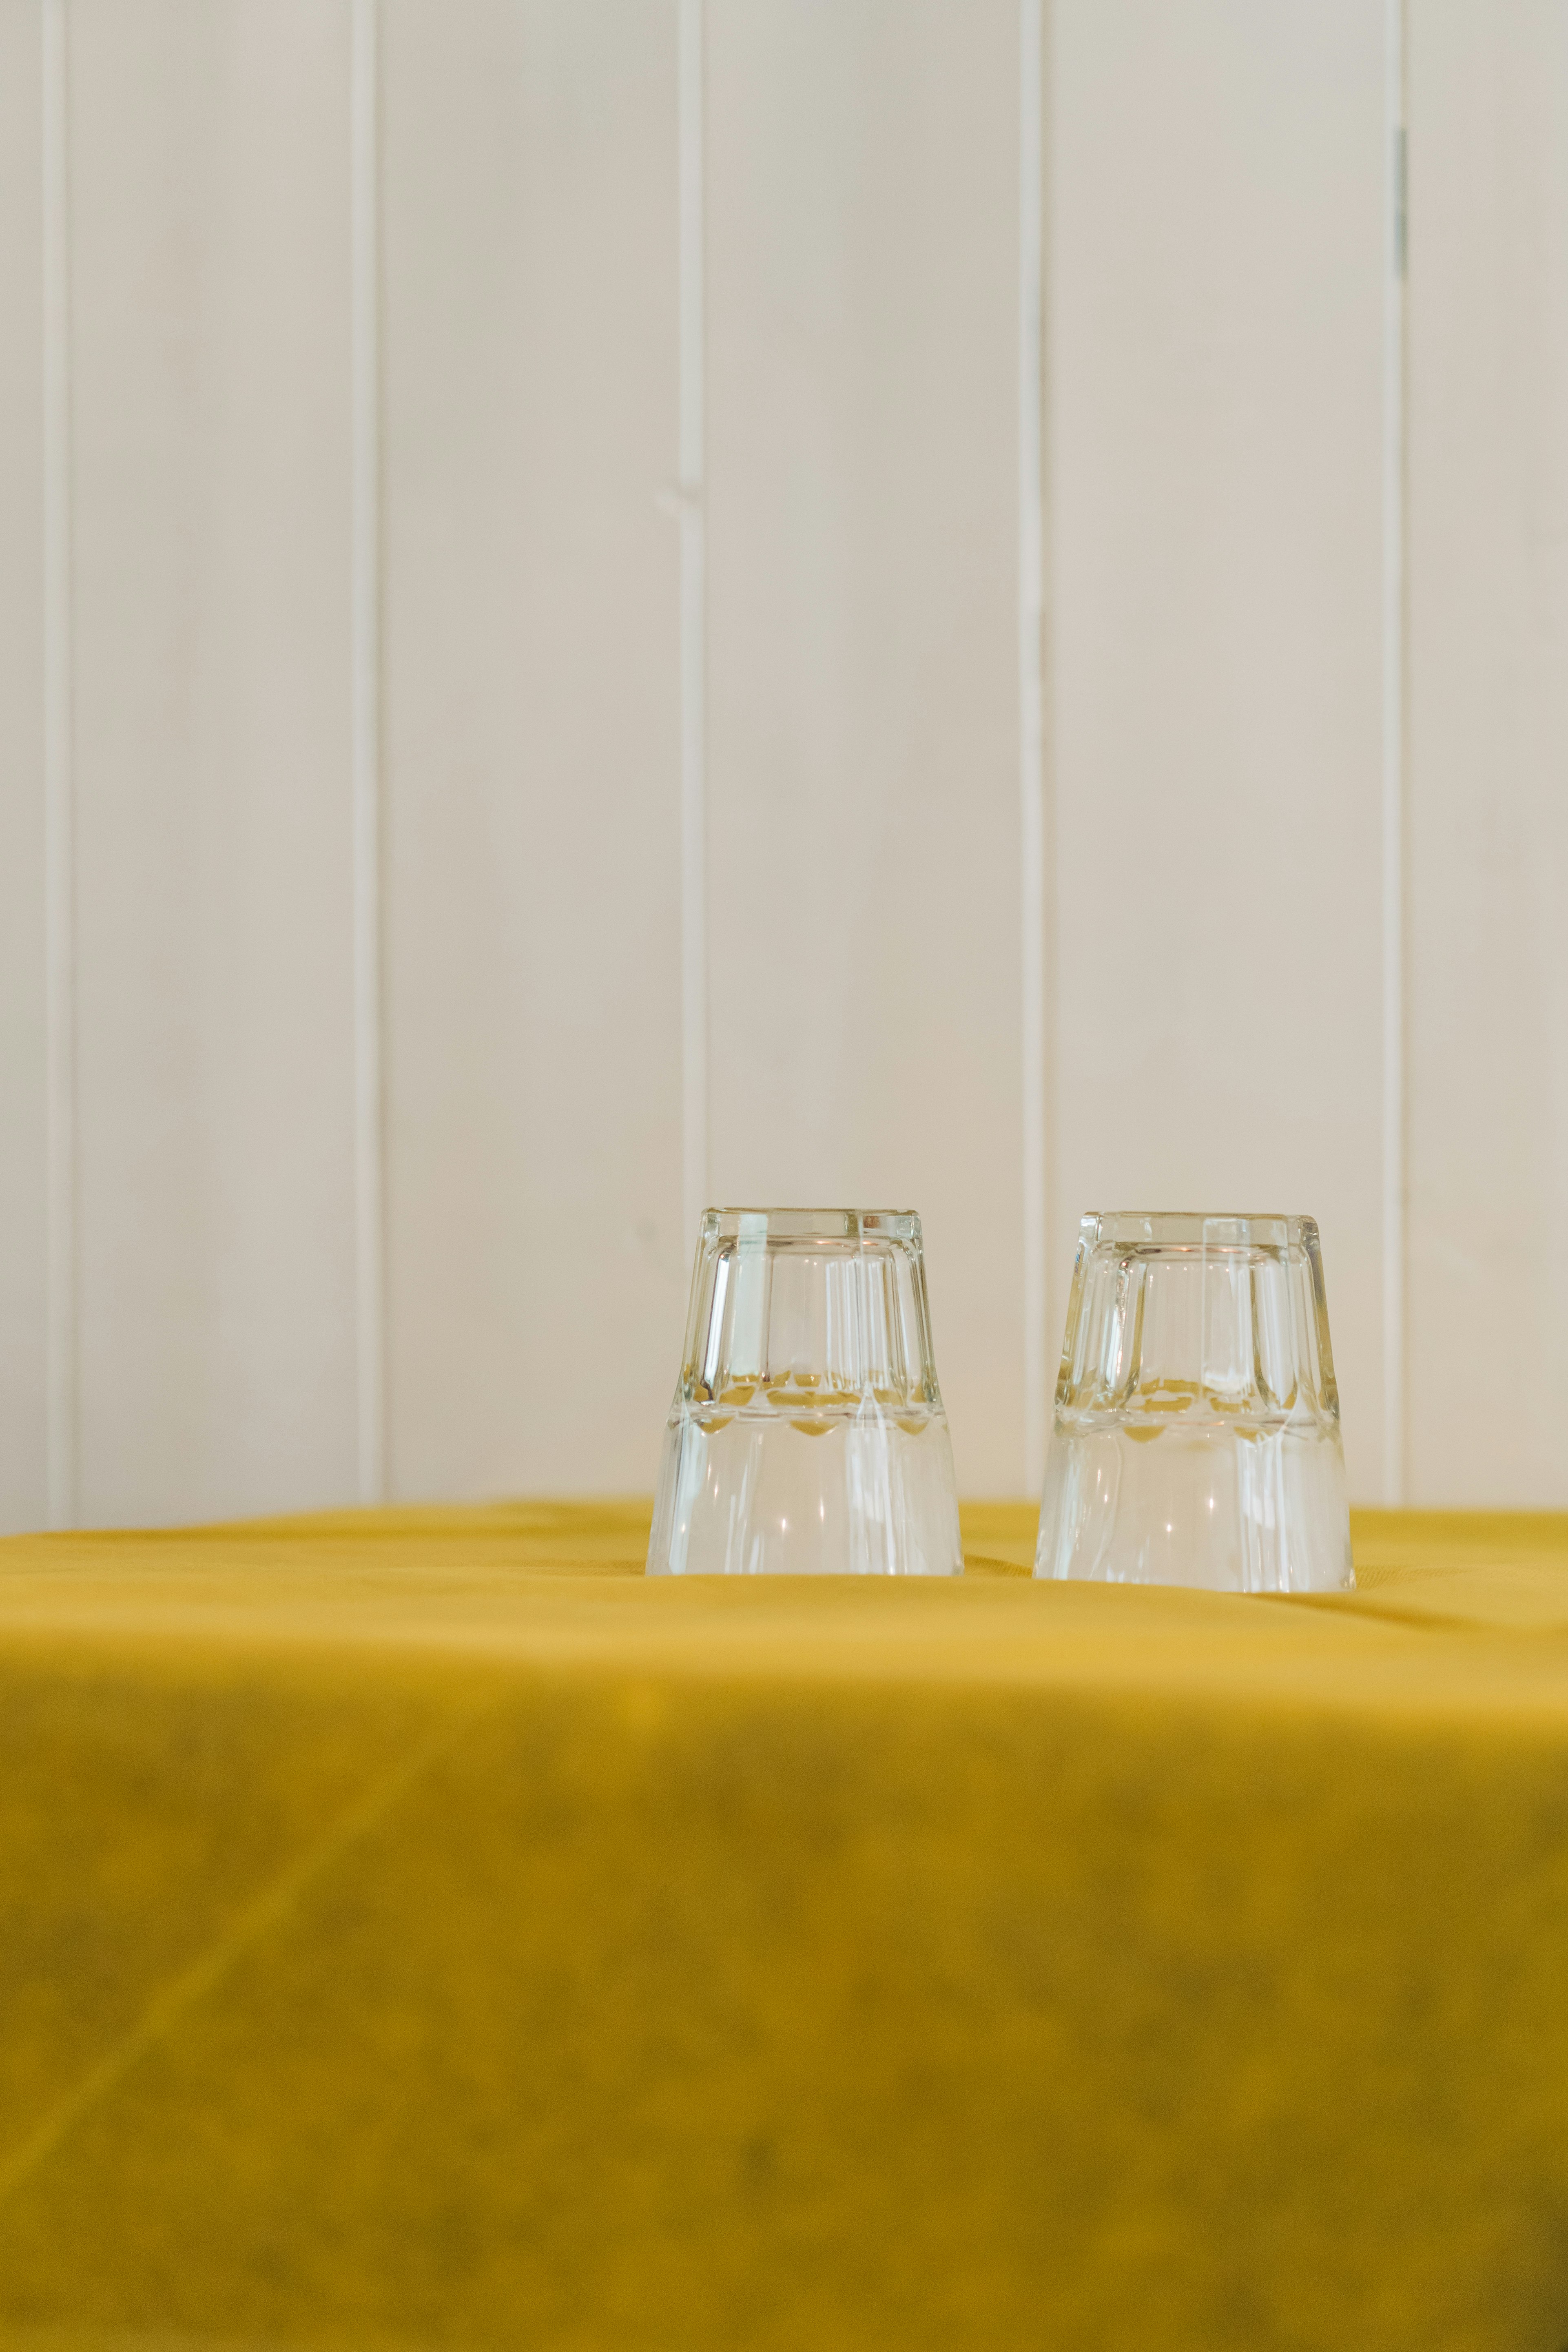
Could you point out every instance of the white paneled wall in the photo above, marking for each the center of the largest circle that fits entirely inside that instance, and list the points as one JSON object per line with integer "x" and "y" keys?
{"x": 522, "y": 704}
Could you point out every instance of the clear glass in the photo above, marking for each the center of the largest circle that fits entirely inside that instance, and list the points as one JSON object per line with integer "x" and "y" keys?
{"x": 1196, "y": 1432}
{"x": 807, "y": 1436}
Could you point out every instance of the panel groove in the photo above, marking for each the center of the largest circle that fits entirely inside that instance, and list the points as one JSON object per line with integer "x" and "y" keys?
{"x": 59, "y": 856}
{"x": 1031, "y": 726}
{"x": 693, "y": 632}
{"x": 1395, "y": 686}
{"x": 369, "y": 1129}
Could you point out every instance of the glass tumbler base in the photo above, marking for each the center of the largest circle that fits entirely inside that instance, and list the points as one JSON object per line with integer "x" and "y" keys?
{"x": 860, "y": 1494}
{"x": 1230, "y": 1509}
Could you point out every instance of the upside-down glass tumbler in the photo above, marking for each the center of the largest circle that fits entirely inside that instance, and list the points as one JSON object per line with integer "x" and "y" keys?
{"x": 807, "y": 1435}
{"x": 1196, "y": 1432}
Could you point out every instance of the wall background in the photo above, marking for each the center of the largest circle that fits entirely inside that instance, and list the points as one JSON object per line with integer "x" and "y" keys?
{"x": 818, "y": 600}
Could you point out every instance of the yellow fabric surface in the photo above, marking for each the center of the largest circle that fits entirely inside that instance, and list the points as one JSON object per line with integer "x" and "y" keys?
{"x": 417, "y": 1929}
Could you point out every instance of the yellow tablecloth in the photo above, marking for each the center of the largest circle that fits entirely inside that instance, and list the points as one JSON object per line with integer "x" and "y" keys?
{"x": 418, "y": 1929}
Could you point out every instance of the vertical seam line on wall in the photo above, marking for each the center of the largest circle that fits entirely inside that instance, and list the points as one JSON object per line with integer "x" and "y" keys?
{"x": 693, "y": 624}
{"x": 60, "y": 1334}
{"x": 365, "y": 752}
{"x": 1394, "y": 760}
{"x": 1031, "y": 725}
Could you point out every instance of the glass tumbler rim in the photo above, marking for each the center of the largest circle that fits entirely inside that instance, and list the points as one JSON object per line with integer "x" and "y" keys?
{"x": 1199, "y": 1229}
{"x": 778, "y": 1224}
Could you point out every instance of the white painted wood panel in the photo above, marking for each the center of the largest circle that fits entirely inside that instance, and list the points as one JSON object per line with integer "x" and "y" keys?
{"x": 209, "y": 264}
{"x": 1215, "y": 259}
{"x": 862, "y": 582}
{"x": 1488, "y": 739}
{"x": 538, "y": 1268}
{"x": 23, "y": 1152}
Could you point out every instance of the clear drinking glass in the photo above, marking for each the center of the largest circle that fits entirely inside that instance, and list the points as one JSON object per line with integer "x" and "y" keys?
{"x": 807, "y": 1435}
{"x": 1196, "y": 1434}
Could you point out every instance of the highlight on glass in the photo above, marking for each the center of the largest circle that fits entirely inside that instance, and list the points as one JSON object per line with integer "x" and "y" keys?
{"x": 807, "y": 1435}
{"x": 1196, "y": 1438}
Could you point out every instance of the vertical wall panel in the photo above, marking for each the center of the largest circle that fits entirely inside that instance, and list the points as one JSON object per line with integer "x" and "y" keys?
{"x": 862, "y": 552}
{"x": 1489, "y": 741}
{"x": 22, "y": 1139}
{"x": 210, "y": 302}
{"x": 1215, "y": 212}
{"x": 538, "y": 1268}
